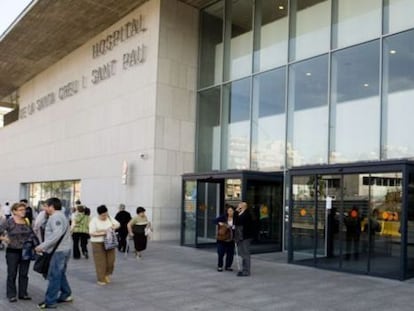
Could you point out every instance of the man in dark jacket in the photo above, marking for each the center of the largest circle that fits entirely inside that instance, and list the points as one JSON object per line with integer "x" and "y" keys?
{"x": 244, "y": 236}
{"x": 123, "y": 217}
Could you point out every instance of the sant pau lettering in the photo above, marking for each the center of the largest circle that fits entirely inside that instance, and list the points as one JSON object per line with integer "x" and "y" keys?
{"x": 100, "y": 73}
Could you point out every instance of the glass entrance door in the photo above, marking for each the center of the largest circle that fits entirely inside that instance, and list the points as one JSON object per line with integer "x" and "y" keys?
{"x": 350, "y": 222}
{"x": 209, "y": 204}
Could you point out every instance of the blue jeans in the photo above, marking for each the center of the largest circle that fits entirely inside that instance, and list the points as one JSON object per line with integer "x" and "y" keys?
{"x": 58, "y": 287}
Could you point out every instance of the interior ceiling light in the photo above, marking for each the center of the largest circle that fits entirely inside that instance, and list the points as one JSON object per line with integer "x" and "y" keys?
{"x": 366, "y": 84}
{"x": 281, "y": 7}
{"x": 308, "y": 74}
{"x": 393, "y": 51}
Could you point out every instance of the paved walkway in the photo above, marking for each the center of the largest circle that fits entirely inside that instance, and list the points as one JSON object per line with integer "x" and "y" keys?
{"x": 175, "y": 278}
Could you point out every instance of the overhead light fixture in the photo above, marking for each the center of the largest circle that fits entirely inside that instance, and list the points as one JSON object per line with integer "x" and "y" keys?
{"x": 281, "y": 7}
{"x": 308, "y": 74}
{"x": 366, "y": 84}
{"x": 393, "y": 51}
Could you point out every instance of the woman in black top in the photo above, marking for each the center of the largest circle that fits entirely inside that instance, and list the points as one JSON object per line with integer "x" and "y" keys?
{"x": 14, "y": 232}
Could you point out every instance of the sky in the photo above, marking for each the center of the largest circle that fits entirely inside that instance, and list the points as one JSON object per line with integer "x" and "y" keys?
{"x": 9, "y": 10}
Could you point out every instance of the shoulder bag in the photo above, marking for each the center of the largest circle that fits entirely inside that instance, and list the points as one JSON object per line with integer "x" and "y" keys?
{"x": 42, "y": 261}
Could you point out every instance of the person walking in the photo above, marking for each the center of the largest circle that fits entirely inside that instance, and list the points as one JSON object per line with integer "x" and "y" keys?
{"x": 123, "y": 217}
{"x": 225, "y": 243}
{"x": 80, "y": 232}
{"x": 57, "y": 231}
{"x": 138, "y": 228}
{"x": 104, "y": 259}
{"x": 14, "y": 232}
{"x": 243, "y": 236}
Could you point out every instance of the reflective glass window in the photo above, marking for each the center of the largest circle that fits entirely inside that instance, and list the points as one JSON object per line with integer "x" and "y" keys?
{"x": 355, "y": 104}
{"x": 308, "y": 112}
{"x": 236, "y": 131}
{"x": 303, "y": 219}
{"x": 356, "y": 21}
{"x": 271, "y": 34}
{"x": 189, "y": 212}
{"x": 268, "y": 120}
{"x": 398, "y": 15}
{"x": 211, "y": 45}
{"x": 310, "y": 28}
{"x": 410, "y": 223}
{"x": 240, "y": 44}
{"x": 208, "y": 122}
{"x": 398, "y": 92}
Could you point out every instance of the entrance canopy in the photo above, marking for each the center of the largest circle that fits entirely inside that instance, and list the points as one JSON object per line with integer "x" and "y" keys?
{"x": 354, "y": 217}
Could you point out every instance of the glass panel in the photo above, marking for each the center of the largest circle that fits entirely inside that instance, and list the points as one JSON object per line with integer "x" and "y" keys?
{"x": 233, "y": 192}
{"x": 355, "y": 210}
{"x": 268, "y": 121}
{"x": 208, "y": 122}
{"x": 303, "y": 218}
{"x": 208, "y": 209}
{"x": 266, "y": 202}
{"x": 357, "y": 21}
{"x": 270, "y": 45}
{"x": 236, "y": 135}
{"x": 398, "y": 92}
{"x": 67, "y": 191}
{"x": 241, "y": 42}
{"x": 211, "y": 47}
{"x": 355, "y": 104}
{"x": 398, "y": 15}
{"x": 310, "y": 28}
{"x": 308, "y": 112}
{"x": 189, "y": 215}
{"x": 384, "y": 224}
{"x": 410, "y": 224}
{"x": 328, "y": 229}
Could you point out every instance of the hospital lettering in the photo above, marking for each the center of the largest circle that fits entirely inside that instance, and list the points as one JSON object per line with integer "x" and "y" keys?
{"x": 104, "y": 72}
{"x": 135, "y": 57}
{"x": 69, "y": 89}
{"x": 126, "y": 31}
{"x": 45, "y": 101}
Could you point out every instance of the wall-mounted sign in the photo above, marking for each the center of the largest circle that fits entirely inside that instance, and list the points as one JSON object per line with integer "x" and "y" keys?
{"x": 100, "y": 73}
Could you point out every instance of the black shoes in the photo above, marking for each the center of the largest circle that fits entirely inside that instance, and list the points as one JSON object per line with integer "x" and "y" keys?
{"x": 240, "y": 273}
{"x": 26, "y": 297}
{"x": 220, "y": 269}
{"x": 12, "y": 299}
{"x": 228, "y": 269}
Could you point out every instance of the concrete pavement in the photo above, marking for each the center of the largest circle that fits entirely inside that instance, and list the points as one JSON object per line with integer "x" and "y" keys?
{"x": 175, "y": 278}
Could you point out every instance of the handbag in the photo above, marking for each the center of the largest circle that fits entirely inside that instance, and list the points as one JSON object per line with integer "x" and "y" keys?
{"x": 110, "y": 239}
{"x": 224, "y": 233}
{"x": 148, "y": 232}
{"x": 42, "y": 261}
{"x": 28, "y": 252}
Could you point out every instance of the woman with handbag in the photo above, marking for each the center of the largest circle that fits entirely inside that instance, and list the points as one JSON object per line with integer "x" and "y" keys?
{"x": 225, "y": 243}
{"x": 139, "y": 228}
{"x": 15, "y": 232}
{"x": 101, "y": 227}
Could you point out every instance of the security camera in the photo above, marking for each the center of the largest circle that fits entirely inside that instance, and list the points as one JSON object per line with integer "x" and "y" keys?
{"x": 142, "y": 155}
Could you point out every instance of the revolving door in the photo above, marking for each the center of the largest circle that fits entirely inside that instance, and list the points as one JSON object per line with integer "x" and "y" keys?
{"x": 205, "y": 196}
